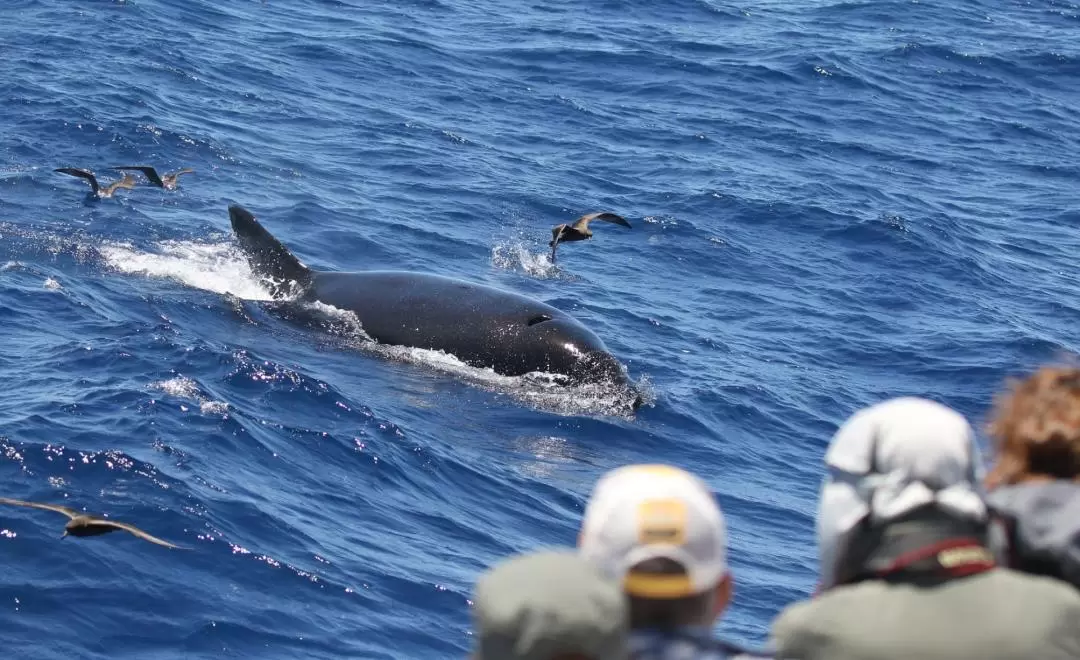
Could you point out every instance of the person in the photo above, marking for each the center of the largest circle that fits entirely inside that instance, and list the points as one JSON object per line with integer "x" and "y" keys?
{"x": 658, "y": 531}
{"x": 549, "y": 605}
{"x": 1034, "y": 485}
{"x": 906, "y": 568}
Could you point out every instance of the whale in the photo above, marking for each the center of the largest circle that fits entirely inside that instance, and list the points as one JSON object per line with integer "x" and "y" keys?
{"x": 480, "y": 325}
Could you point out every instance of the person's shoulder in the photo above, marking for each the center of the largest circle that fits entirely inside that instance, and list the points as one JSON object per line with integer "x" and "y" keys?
{"x": 825, "y": 614}
{"x": 1045, "y": 607}
{"x": 1048, "y": 606}
{"x": 1053, "y": 591}
{"x": 791, "y": 618}
{"x": 759, "y": 654}
{"x": 837, "y": 598}
{"x": 689, "y": 644}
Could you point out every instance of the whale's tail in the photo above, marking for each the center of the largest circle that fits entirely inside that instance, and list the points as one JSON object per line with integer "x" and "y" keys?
{"x": 267, "y": 256}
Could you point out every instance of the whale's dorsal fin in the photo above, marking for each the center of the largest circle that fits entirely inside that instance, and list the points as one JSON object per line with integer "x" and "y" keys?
{"x": 267, "y": 256}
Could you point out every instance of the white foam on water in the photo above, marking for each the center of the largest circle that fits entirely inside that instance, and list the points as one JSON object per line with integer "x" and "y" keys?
{"x": 51, "y": 284}
{"x": 183, "y": 387}
{"x": 541, "y": 390}
{"x": 213, "y": 407}
{"x": 517, "y": 256}
{"x": 338, "y": 322}
{"x": 216, "y": 267}
{"x": 180, "y": 386}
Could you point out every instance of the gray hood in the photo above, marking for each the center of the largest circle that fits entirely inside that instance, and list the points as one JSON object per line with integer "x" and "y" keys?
{"x": 1046, "y": 519}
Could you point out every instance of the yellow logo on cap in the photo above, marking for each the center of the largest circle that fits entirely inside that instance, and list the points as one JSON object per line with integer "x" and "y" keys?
{"x": 662, "y": 521}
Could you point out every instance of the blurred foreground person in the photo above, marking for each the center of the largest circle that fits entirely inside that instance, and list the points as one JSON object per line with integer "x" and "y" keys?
{"x": 658, "y": 532}
{"x": 906, "y": 571}
{"x": 1035, "y": 481}
{"x": 549, "y": 605}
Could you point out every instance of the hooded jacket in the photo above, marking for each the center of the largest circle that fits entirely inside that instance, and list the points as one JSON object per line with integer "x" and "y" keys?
{"x": 906, "y": 571}
{"x": 1043, "y": 527}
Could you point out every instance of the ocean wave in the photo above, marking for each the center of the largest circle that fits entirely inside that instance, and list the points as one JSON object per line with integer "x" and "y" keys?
{"x": 832, "y": 203}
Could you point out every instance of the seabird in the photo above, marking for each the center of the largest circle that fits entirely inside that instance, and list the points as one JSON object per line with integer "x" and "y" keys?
{"x": 579, "y": 230}
{"x": 166, "y": 181}
{"x": 127, "y": 182}
{"x": 84, "y": 525}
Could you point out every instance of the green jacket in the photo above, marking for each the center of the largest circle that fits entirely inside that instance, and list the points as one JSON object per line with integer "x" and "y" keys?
{"x": 997, "y": 615}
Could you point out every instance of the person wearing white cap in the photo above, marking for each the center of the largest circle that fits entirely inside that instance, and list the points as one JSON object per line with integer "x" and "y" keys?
{"x": 658, "y": 531}
{"x": 906, "y": 565}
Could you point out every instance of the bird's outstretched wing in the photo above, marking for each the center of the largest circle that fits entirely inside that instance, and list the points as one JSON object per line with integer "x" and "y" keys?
{"x": 186, "y": 170}
{"x": 147, "y": 170}
{"x": 85, "y": 174}
{"x": 67, "y": 511}
{"x": 136, "y": 531}
{"x": 581, "y": 223}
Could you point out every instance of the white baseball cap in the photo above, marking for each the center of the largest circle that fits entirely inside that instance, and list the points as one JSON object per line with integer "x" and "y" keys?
{"x": 642, "y": 512}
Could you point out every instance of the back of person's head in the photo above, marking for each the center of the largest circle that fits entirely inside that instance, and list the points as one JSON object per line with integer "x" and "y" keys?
{"x": 1036, "y": 429}
{"x": 896, "y": 468}
{"x": 550, "y": 605}
{"x": 658, "y": 531}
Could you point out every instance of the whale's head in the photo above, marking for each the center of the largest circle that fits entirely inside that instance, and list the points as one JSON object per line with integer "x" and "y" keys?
{"x": 574, "y": 351}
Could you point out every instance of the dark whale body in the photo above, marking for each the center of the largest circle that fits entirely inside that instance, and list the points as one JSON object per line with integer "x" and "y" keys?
{"x": 480, "y": 325}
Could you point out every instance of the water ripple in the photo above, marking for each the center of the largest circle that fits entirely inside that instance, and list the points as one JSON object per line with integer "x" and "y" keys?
{"x": 832, "y": 202}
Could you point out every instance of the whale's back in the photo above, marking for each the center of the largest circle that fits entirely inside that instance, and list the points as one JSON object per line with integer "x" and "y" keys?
{"x": 480, "y": 325}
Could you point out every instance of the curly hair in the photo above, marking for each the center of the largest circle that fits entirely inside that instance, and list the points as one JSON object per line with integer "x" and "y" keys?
{"x": 1036, "y": 428}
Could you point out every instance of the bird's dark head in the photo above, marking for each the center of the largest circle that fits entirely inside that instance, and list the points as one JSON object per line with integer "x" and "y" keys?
{"x": 555, "y": 232}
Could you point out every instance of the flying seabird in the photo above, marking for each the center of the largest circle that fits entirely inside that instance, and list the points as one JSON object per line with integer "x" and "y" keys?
{"x": 579, "y": 230}
{"x": 86, "y": 525}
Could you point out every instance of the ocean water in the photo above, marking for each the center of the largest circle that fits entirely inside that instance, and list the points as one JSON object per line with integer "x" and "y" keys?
{"x": 832, "y": 203}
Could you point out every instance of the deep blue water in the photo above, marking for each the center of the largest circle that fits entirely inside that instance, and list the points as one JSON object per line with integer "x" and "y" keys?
{"x": 832, "y": 203}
